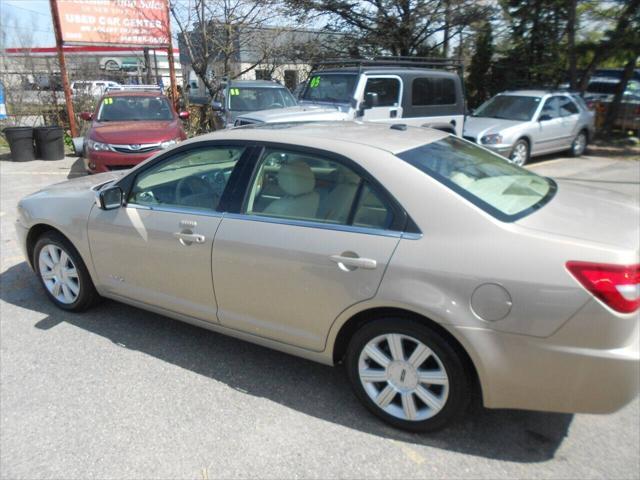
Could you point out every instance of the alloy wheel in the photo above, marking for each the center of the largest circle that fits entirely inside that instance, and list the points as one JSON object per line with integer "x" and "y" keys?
{"x": 579, "y": 144}
{"x": 403, "y": 377}
{"x": 59, "y": 274}
{"x": 519, "y": 154}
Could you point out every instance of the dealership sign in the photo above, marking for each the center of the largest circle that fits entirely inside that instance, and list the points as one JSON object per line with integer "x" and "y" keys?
{"x": 119, "y": 22}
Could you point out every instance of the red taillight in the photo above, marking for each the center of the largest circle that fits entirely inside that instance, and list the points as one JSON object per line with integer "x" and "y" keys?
{"x": 618, "y": 286}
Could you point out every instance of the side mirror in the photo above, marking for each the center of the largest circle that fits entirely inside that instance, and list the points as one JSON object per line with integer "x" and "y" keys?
{"x": 183, "y": 115}
{"x": 544, "y": 118}
{"x": 88, "y": 116}
{"x": 217, "y": 106}
{"x": 110, "y": 198}
{"x": 371, "y": 100}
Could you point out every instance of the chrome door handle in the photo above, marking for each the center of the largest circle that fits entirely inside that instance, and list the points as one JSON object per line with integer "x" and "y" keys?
{"x": 189, "y": 238}
{"x": 355, "y": 262}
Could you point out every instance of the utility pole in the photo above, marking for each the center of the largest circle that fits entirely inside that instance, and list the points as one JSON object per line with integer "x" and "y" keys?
{"x": 63, "y": 68}
{"x": 172, "y": 68}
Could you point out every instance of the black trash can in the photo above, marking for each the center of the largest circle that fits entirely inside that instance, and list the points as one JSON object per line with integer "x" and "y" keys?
{"x": 49, "y": 143}
{"x": 20, "y": 141}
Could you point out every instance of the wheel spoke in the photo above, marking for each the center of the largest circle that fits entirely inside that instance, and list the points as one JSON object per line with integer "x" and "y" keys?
{"x": 47, "y": 275}
{"x": 55, "y": 290}
{"x": 54, "y": 253}
{"x": 74, "y": 287}
{"x": 385, "y": 397}
{"x": 377, "y": 355}
{"x": 409, "y": 405}
{"x": 433, "y": 377}
{"x": 66, "y": 292}
{"x": 428, "y": 398}
{"x": 71, "y": 272}
{"x": 371, "y": 375}
{"x": 64, "y": 258}
{"x": 46, "y": 258}
{"x": 395, "y": 346}
{"x": 419, "y": 355}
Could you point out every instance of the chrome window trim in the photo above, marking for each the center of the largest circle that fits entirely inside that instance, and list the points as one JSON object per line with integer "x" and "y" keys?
{"x": 324, "y": 226}
{"x": 181, "y": 210}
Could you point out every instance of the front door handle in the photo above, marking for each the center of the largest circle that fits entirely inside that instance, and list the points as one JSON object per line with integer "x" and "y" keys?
{"x": 187, "y": 238}
{"x": 354, "y": 262}
{"x": 393, "y": 113}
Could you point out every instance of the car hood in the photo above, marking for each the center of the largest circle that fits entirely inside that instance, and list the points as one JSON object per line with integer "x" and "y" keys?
{"x": 299, "y": 113}
{"x": 126, "y": 133}
{"x": 80, "y": 184}
{"x": 479, "y": 126}
{"x": 590, "y": 214}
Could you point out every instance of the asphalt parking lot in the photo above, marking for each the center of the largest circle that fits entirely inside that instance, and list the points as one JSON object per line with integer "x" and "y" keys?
{"x": 121, "y": 393}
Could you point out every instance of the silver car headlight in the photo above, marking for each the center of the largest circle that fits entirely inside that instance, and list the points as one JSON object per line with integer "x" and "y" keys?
{"x": 98, "y": 147}
{"x": 168, "y": 143}
{"x": 491, "y": 139}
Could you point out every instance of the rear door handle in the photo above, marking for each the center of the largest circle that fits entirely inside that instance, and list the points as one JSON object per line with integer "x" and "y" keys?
{"x": 355, "y": 262}
{"x": 189, "y": 238}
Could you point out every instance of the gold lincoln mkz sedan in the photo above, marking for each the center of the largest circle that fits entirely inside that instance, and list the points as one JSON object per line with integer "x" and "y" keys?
{"x": 430, "y": 266}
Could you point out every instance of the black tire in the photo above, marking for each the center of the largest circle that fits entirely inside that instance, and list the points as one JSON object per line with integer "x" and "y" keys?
{"x": 459, "y": 388}
{"x": 87, "y": 295}
{"x": 576, "y": 150}
{"x": 518, "y": 158}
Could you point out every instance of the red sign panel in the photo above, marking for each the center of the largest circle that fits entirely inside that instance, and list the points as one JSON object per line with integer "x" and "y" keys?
{"x": 118, "y": 22}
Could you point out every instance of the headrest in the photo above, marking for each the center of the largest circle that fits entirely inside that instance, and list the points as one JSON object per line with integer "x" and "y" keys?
{"x": 296, "y": 178}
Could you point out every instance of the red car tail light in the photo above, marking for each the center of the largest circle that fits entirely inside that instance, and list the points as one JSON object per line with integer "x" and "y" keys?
{"x": 618, "y": 286}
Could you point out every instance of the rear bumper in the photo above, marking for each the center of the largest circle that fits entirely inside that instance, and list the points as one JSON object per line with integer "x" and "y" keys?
{"x": 99, "y": 162}
{"x": 554, "y": 374}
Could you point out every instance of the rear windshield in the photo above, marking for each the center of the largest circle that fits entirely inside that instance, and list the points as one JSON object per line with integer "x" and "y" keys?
{"x": 134, "y": 108}
{"x": 246, "y": 99}
{"x": 503, "y": 190}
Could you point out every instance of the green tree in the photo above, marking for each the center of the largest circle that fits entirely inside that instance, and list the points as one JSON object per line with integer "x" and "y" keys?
{"x": 478, "y": 80}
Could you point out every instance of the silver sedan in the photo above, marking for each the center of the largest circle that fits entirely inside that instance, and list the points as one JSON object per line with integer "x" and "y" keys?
{"x": 430, "y": 267}
{"x": 526, "y": 123}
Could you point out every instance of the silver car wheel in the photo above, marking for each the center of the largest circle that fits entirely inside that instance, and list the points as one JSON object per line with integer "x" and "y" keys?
{"x": 59, "y": 274}
{"x": 403, "y": 377}
{"x": 519, "y": 154}
{"x": 579, "y": 144}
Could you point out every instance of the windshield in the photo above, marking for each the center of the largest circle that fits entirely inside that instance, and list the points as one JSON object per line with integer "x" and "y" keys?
{"x": 245, "y": 99}
{"x": 503, "y": 190}
{"x": 134, "y": 108}
{"x": 509, "y": 107}
{"x": 330, "y": 87}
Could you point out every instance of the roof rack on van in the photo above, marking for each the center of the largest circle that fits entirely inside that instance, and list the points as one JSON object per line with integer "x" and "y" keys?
{"x": 411, "y": 62}
{"x": 134, "y": 88}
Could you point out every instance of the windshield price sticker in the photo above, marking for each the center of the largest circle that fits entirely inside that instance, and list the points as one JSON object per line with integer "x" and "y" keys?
{"x": 315, "y": 82}
{"x": 108, "y": 101}
{"x": 234, "y": 91}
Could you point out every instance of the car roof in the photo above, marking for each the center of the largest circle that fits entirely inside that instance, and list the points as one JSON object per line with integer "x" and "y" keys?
{"x": 380, "y": 136}
{"x": 254, "y": 84}
{"x": 387, "y": 70}
{"x": 133, "y": 93}
{"x": 536, "y": 93}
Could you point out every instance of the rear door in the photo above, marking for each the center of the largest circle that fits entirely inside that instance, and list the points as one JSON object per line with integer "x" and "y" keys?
{"x": 570, "y": 114}
{"x": 551, "y": 131}
{"x": 313, "y": 237}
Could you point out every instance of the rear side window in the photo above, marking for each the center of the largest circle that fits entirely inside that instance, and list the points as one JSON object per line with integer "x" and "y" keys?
{"x": 567, "y": 107}
{"x": 433, "y": 91}
{"x": 487, "y": 180}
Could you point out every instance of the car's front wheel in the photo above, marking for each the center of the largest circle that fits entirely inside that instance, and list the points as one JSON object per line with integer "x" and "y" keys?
{"x": 520, "y": 153}
{"x": 407, "y": 374}
{"x": 62, "y": 273}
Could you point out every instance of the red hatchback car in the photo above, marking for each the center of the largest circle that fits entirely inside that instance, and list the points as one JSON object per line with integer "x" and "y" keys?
{"x": 128, "y": 126}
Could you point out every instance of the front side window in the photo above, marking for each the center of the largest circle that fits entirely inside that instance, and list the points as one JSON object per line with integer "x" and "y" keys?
{"x": 330, "y": 87}
{"x": 551, "y": 108}
{"x": 509, "y": 107}
{"x": 299, "y": 186}
{"x": 433, "y": 91}
{"x": 134, "y": 108}
{"x": 387, "y": 90}
{"x": 246, "y": 99}
{"x": 192, "y": 179}
{"x": 502, "y": 189}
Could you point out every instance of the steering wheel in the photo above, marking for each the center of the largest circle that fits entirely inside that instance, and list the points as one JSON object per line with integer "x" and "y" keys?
{"x": 189, "y": 186}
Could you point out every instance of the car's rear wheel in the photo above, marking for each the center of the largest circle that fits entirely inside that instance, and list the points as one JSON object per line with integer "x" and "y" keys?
{"x": 407, "y": 374}
{"x": 520, "y": 153}
{"x": 62, "y": 273}
{"x": 579, "y": 144}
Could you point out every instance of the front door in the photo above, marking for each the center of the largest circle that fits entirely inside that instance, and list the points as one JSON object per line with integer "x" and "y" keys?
{"x": 313, "y": 239}
{"x": 387, "y": 90}
{"x": 157, "y": 248}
